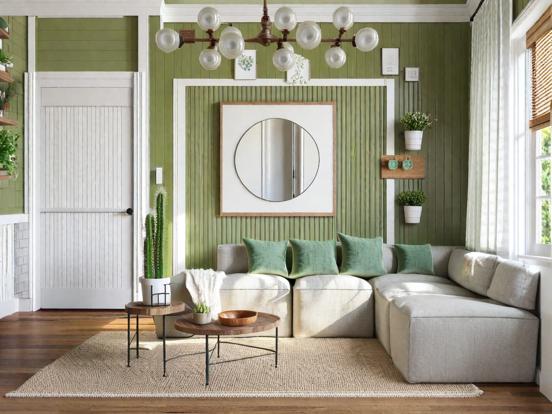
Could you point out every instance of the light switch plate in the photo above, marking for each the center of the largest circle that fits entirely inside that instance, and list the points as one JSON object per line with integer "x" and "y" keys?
{"x": 390, "y": 61}
{"x": 411, "y": 74}
{"x": 159, "y": 175}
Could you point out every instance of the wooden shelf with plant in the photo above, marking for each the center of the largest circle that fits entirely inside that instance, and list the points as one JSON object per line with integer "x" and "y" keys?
{"x": 4, "y": 34}
{"x": 9, "y": 142}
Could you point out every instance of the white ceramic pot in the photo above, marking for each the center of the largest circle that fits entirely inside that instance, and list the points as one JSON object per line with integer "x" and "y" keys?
{"x": 201, "y": 318}
{"x": 413, "y": 140}
{"x": 155, "y": 286}
{"x": 412, "y": 214}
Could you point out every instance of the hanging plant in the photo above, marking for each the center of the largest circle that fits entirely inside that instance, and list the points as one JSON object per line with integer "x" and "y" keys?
{"x": 5, "y": 59}
{"x": 8, "y": 151}
{"x": 414, "y": 124}
{"x": 6, "y": 93}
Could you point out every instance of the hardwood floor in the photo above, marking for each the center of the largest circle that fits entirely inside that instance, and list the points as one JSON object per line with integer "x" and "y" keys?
{"x": 30, "y": 341}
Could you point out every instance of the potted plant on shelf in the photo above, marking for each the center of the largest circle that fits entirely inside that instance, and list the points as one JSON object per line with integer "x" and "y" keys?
{"x": 414, "y": 124}
{"x": 412, "y": 202}
{"x": 8, "y": 153}
{"x": 5, "y": 61}
{"x": 154, "y": 282}
{"x": 6, "y": 93}
{"x": 201, "y": 314}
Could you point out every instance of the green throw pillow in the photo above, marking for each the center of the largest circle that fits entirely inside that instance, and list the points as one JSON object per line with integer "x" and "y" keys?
{"x": 313, "y": 258}
{"x": 267, "y": 257}
{"x": 414, "y": 258}
{"x": 361, "y": 257}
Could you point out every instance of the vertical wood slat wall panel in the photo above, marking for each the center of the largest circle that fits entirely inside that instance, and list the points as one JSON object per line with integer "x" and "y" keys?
{"x": 440, "y": 50}
{"x": 6, "y": 262}
{"x": 360, "y": 193}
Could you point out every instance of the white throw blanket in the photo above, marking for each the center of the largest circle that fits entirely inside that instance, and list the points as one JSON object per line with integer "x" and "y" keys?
{"x": 204, "y": 287}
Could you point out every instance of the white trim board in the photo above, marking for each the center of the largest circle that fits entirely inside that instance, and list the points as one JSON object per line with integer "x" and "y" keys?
{"x": 364, "y": 13}
{"x": 13, "y": 218}
{"x": 179, "y": 149}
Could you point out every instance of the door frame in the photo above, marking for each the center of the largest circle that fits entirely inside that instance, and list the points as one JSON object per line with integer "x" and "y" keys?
{"x": 34, "y": 81}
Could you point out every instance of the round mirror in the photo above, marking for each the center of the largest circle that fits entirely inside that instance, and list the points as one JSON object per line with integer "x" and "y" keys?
{"x": 276, "y": 160}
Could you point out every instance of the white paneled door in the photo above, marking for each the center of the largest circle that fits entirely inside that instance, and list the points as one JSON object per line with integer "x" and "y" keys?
{"x": 86, "y": 195}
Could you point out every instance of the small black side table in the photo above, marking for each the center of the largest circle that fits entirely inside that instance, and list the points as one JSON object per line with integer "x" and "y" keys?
{"x": 138, "y": 308}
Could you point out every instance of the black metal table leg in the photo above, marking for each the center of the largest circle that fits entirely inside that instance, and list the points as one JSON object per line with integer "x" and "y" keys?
{"x": 164, "y": 350}
{"x": 137, "y": 337}
{"x": 206, "y": 360}
{"x": 276, "y": 353}
{"x": 128, "y": 339}
{"x": 218, "y": 346}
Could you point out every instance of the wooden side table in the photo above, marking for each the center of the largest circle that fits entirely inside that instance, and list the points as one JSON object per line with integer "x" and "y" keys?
{"x": 138, "y": 308}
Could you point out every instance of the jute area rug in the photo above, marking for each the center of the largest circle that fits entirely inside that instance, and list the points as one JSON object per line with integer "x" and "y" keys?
{"x": 306, "y": 368}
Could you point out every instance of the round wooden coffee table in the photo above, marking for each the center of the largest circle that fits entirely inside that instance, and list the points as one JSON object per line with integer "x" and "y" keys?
{"x": 264, "y": 322}
{"x": 138, "y": 308}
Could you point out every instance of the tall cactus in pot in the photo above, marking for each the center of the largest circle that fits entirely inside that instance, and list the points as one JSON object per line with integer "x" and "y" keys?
{"x": 160, "y": 234}
{"x": 149, "y": 257}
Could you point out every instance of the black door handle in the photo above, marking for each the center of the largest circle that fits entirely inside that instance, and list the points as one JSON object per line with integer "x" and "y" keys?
{"x": 129, "y": 211}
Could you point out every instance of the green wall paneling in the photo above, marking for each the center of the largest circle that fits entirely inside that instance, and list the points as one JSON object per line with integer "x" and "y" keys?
{"x": 518, "y": 6}
{"x": 360, "y": 192}
{"x": 322, "y": 2}
{"x": 12, "y": 192}
{"x": 440, "y": 50}
{"x": 87, "y": 44}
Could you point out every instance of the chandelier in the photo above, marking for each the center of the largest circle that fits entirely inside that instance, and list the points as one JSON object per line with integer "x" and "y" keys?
{"x": 231, "y": 43}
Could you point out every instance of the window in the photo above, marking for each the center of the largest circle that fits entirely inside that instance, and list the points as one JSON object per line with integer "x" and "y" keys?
{"x": 540, "y": 239}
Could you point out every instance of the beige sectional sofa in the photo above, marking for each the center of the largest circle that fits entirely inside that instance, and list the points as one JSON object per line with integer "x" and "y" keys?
{"x": 473, "y": 320}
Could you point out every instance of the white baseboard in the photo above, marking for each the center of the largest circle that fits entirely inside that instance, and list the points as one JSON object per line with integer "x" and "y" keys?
{"x": 25, "y": 305}
{"x": 9, "y": 307}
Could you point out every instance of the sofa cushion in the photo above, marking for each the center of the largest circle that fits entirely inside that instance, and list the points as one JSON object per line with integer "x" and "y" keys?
{"x": 249, "y": 281}
{"x": 473, "y": 270}
{"x": 414, "y": 258}
{"x": 266, "y": 257}
{"x": 313, "y": 257}
{"x": 462, "y": 339}
{"x": 514, "y": 284}
{"x": 332, "y": 306}
{"x": 389, "y": 287}
{"x": 361, "y": 257}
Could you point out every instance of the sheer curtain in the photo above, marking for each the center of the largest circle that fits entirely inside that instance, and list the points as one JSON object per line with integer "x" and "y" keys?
{"x": 488, "y": 222}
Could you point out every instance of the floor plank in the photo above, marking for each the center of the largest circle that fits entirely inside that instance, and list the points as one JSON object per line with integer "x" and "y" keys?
{"x": 30, "y": 341}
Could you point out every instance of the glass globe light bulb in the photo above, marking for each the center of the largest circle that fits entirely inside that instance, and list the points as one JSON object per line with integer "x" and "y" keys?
{"x": 208, "y": 18}
{"x": 285, "y": 19}
{"x": 335, "y": 57}
{"x": 287, "y": 45}
{"x": 167, "y": 40}
{"x": 231, "y": 43}
{"x": 210, "y": 59}
{"x": 308, "y": 35}
{"x": 283, "y": 59}
{"x": 366, "y": 39}
{"x": 343, "y": 18}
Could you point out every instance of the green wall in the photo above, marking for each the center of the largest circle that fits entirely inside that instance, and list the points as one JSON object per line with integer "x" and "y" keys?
{"x": 12, "y": 193}
{"x": 87, "y": 44}
{"x": 361, "y": 136}
{"x": 322, "y": 2}
{"x": 441, "y": 51}
{"x": 518, "y": 6}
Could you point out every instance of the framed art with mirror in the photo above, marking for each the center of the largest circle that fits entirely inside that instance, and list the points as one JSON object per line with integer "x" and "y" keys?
{"x": 277, "y": 159}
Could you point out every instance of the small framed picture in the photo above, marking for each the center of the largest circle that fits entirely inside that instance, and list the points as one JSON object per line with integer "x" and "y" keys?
{"x": 245, "y": 66}
{"x": 299, "y": 74}
{"x": 390, "y": 61}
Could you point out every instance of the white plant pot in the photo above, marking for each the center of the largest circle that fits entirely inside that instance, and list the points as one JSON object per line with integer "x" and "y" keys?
{"x": 412, "y": 214}
{"x": 413, "y": 140}
{"x": 155, "y": 286}
{"x": 201, "y": 318}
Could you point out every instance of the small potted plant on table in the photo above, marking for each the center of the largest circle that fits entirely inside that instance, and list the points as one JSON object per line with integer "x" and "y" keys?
{"x": 414, "y": 124}
{"x": 8, "y": 153}
{"x": 154, "y": 283}
{"x": 201, "y": 314}
{"x": 412, "y": 202}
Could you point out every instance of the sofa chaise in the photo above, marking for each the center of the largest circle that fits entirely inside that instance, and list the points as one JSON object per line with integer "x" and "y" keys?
{"x": 473, "y": 320}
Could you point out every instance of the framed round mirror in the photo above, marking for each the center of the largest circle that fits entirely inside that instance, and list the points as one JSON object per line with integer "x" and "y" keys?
{"x": 276, "y": 160}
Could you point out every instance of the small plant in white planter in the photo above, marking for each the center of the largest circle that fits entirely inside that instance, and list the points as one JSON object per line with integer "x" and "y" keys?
{"x": 412, "y": 202}
{"x": 5, "y": 61}
{"x": 201, "y": 314}
{"x": 414, "y": 124}
{"x": 154, "y": 283}
{"x": 8, "y": 153}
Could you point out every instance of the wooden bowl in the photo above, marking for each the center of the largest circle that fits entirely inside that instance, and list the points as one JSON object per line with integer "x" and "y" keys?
{"x": 237, "y": 317}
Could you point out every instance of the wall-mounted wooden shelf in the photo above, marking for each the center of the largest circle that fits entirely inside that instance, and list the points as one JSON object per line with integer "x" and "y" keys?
{"x": 5, "y": 177}
{"x": 417, "y": 171}
{"x": 7, "y": 122}
{"x": 5, "y": 77}
{"x": 4, "y": 34}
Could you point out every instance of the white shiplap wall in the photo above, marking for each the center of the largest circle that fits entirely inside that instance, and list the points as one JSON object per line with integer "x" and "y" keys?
{"x": 6, "y": 263}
